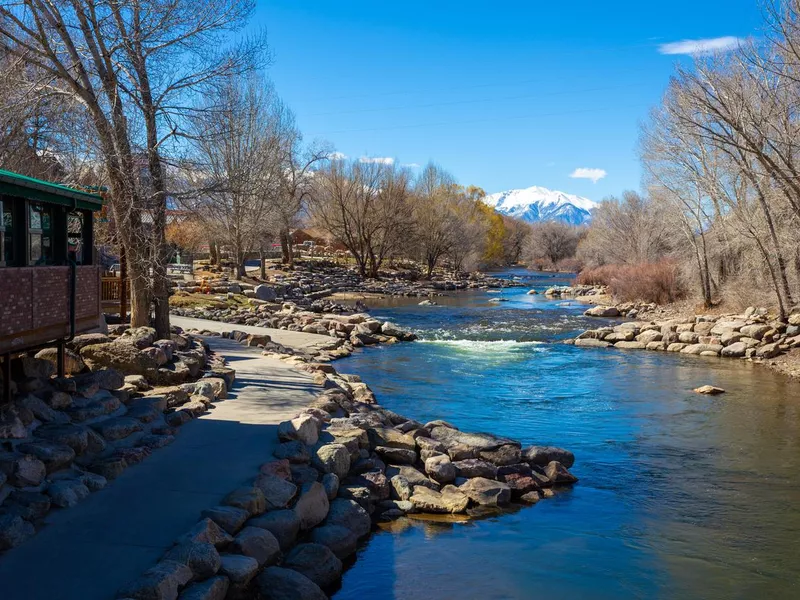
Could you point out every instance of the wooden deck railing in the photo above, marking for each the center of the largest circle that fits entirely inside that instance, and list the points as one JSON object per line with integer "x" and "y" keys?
{"x": 111, "y": 290}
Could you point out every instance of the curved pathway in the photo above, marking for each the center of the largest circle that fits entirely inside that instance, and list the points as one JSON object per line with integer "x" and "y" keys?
{"x": 91, "y": 550}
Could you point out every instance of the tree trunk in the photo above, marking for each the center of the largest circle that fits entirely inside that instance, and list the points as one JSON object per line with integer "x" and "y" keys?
{"x": 263, "y": 260}
{"x": 286, "y": 249}
{"x": 213, "y": 253}
{"x": 431, "y": 265}
{"x": 776, "y": 286}
{"x": 140, "y": 296}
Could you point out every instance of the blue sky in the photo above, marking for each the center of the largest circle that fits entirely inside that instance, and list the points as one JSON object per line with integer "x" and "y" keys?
{"x": 503, "y": 95}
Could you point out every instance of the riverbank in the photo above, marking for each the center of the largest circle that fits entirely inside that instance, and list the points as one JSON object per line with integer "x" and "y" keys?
{"x": 342, "y": 464}
{"x": 664, "y": 504}
{"x": 753, "y": 335}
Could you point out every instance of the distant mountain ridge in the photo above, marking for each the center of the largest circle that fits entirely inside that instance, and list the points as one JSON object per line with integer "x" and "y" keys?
{"x": 536, "y": 204}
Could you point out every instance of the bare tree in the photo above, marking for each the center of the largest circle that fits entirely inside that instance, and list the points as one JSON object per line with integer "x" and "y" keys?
{"x": 553, "y": 241}
{"x": 237, "y": 170}
{"x": 296, "y": 185}
{"x": 435, "y": 194}
{"x": 627, "y": 231}
{"x": 365, "y": 206}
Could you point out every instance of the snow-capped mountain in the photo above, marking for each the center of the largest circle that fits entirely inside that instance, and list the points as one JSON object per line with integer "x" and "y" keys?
{"x": 536, "y": 204}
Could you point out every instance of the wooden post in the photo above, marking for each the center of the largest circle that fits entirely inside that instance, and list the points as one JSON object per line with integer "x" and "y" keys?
{"x": 6, "y": 378}
{"x": 123, "y": 281}
{"x": 60, "y": 358}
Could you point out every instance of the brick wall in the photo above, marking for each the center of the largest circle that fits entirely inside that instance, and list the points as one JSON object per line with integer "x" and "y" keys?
{"x": 87, "y": 295}
{"x": 34, "y": 304}
{"x": 15, "y": 299}
{"x": 50, "y": 299}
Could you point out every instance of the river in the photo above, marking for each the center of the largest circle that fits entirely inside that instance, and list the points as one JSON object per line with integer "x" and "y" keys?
{"x": 680, "y": 495}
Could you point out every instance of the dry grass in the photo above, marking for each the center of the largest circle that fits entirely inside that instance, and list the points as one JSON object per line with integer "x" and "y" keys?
{"x": 186, "y": 300}
{"x": 649, "y": 282}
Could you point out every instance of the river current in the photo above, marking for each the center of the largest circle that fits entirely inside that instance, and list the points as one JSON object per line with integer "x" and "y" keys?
{"x": 680, "y": 495}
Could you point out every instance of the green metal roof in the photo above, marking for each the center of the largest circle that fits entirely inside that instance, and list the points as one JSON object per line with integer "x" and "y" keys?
{"x": 14, "y": 184}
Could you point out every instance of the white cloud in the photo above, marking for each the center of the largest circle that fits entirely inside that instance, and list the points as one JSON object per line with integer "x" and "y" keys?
{"x": 704, "y": 46}
{"x": 411, "y": 165}
{"x": 594, "y": 174}
{"x": 381, "y": 160}
{"x": 337, "y": 156}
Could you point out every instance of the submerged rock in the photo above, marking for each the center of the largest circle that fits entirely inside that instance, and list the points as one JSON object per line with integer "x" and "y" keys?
{"x": 709, "y": 390}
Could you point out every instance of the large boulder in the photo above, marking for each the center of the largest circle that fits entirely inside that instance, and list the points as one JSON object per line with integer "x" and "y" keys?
{"x": 265, "y": 293}
{"x": 201, "y": 557}
{"x": 734, "y": 350}
{"x": 209, "y": 532}
{"x": 768, "y": 351}
{"x": 250, "y": 499}
{"x": 543, "y": 455}
{"x": 26, "y": 367}
{"x": 140, "y": 337}
{"x": 229, "y": 518}
{"x": 350, "y": 515}
{"x": 315, "y": 561}
{"x": 295, "y": 452}
{"x": 239, "y": 569}
{"x": 332, "y": 458}
{"x": 449, "y": 500}
{"x": 14, "y": 530}
{"x": 755, "y": 331}
{"x": 476, "y": 443}
{"x": 486, "y": 492}
{"x": 72, "y": 360}
{"x": 123, "y": 357}
{"x": 440, "y": 469}
{"x": 312, "y": 506}
{"x": 278, "y": 583}
{"x": 391, "y": 438}
{"x": 283, "y": 524}
{"x": 303, "y": 428}
{"x": 399, "y": 456}
{"x": 22, "y": 470}
{"x": 161, "y": 582}
{"x": 602, "y": 311}
{"x": 257, "y": 543}
{"x": 703, "y": 349}
{"x": 67, "y": 492}
{"x": 215, "y": 588}
{"x": 475, "y": 467}
{"x": 54, "y": 455}
{"x": 412, "y": 476}
{"x": 278, "y": 492}
{"x": 341, "y": 541}
{"x": 558, "y": 474}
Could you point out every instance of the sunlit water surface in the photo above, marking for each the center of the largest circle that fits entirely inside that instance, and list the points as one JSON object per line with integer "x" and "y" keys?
{"x": 680, "y": 495}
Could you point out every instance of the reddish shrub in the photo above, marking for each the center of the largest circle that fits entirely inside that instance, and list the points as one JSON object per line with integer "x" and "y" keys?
{"x": 651, "y": 282}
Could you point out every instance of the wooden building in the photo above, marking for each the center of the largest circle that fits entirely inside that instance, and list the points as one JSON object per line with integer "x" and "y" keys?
{"x": 49, "y": 282}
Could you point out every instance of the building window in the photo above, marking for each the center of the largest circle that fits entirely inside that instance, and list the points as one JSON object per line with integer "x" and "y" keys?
{"x": 75, "y": 236}
{"x": 40, "y": 234}
{"x": 6, "y": 234}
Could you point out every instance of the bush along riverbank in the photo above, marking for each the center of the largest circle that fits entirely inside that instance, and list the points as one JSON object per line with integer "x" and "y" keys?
{"x": 343, "y": 464}
{"x": 751, "y": 335}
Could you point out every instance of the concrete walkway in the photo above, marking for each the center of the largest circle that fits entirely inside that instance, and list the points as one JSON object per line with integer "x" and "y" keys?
{"x": 88, "y": 552}
{"x": 292, "y": 339}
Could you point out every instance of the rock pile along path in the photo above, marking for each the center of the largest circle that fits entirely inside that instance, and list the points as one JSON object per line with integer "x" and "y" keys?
{"x": 91, "y": 550}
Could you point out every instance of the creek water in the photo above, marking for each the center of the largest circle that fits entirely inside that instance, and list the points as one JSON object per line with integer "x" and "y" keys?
{"x": 680, "y": 495}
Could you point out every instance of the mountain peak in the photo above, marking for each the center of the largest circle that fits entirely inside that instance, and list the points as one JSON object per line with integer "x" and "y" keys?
{"x": 535, "y": 204}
